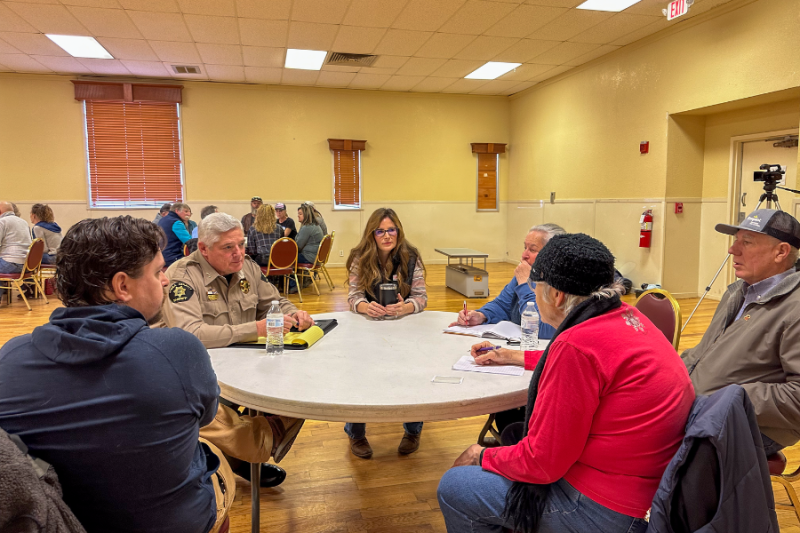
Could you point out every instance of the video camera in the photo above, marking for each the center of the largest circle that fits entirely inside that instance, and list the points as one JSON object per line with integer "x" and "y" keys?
{"x": 769, "y": 173}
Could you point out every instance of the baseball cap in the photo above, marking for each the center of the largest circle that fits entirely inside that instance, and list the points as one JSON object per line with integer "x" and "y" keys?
{"x": 256, "y": 199}
{"x": 280, "y": 206}
{"x": 309, "y": 203}
{"x": 778, "y": 224}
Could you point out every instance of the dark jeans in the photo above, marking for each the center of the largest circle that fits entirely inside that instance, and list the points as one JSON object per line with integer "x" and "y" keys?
{"x": 770, "y": 446}
{"x": 8, "y": 268}
{"x": 48, "y": 259}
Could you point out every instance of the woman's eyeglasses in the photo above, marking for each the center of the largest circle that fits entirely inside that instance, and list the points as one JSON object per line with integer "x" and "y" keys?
{"x": 391, "y": 231}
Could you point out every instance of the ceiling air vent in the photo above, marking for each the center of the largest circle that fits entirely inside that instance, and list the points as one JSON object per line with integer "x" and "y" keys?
{"x": 351, "y": 60}
{"x": 185, "y": 69}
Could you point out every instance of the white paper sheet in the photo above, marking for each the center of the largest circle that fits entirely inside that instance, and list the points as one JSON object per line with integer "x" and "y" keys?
{"x": 503, "y": 330}
{"x": 467, "y": 364}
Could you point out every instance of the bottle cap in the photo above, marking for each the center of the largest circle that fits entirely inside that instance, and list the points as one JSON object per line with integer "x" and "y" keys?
{"x": 276, "y": 301}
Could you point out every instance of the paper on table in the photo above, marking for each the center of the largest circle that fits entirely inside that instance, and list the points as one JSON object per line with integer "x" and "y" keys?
{"x": 467, "y": 364}
{"x": 502, "y": 330}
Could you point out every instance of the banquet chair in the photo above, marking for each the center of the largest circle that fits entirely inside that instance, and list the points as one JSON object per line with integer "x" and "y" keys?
{"x": 283, "y": 262}
{"x": 664, "y": 311}
{"x": 29, "y": 274}
{"x": 309, "y": 269}
{"x": 777, "y": 465}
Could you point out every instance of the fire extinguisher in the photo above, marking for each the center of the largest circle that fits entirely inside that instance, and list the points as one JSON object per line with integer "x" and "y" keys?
{"x": 646, "y": 231}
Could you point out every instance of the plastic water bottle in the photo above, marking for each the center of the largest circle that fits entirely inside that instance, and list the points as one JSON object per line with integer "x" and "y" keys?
{"x": 275, "y": 329}
{"x": 530, "y": 328}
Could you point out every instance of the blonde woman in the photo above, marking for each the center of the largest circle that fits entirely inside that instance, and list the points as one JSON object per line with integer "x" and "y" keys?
{"x": 262, "y": 234}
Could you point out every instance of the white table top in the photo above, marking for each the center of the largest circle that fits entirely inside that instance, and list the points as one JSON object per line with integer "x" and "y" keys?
{"x": 368, "y": 371}
{"x": 460, "y": 252}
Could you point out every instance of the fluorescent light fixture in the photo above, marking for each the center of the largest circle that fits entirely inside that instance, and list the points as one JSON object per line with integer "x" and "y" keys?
{"x": 305, "y": 59}
{"x": 80, "y": 46}
{"x": 491, "y": 70}
{"x": 607, "y": 5}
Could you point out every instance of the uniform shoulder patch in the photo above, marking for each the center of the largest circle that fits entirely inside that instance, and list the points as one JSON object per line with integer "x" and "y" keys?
{"x": 180, "y": 292}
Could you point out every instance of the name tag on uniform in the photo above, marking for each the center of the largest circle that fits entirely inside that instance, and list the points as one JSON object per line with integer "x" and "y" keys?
{"x": 213, "y": 295}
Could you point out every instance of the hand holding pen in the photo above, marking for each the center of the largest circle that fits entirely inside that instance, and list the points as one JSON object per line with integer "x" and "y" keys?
{"x": 486, "y": 353}
{"x": 469, "y": 318}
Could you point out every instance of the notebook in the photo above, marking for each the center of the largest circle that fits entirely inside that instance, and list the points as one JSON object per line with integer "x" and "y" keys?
{"x": 297, "y": 340}
{"x": 504, "y": 330}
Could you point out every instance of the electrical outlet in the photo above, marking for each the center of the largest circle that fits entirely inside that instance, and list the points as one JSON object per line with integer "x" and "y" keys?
{"x": 341, "y": 253}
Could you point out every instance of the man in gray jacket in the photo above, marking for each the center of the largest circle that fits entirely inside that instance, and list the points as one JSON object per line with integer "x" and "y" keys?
{"x": 15, "y": 238}
{"x": 754, "y": 338}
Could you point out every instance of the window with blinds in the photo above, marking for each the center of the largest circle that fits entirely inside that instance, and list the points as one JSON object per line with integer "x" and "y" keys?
{"x": 488, "y": 167}
{"x": 346, "y": 172}
{"x": 133, "y": 146}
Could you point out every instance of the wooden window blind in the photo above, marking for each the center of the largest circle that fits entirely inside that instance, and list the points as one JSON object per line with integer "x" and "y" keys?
{"x": 346, "y": 172}
{"x": 133, "y": 146}
{"x": 488, "y": 163}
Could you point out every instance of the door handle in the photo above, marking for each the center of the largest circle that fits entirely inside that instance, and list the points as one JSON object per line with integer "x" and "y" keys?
{"x": 743, "y": 197}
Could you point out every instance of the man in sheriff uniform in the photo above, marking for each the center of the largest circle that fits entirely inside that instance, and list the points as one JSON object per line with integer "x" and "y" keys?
{"x": 220, "y": 295}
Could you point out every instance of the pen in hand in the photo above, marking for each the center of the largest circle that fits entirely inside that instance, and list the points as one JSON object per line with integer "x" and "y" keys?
{"x": 488, "y": 349}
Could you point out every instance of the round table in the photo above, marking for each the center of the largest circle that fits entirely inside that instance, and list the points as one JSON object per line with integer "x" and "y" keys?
{"x": 368, "y": 370}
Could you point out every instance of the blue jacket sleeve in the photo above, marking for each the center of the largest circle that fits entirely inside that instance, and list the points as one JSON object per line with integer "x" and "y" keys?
{"x": 180, "y": 231}
{"x": 499, "y": 309}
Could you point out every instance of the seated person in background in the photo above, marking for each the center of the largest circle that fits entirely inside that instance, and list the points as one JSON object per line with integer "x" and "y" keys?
{"x": 174, "y": 227}
{"x": 754, "y": 337}
{"x": 308, "y": 239}
{"x": 250, "y": 218}
{"x": 207, "y": 210}
{"x": 165, "y": 209}
{"x": 289, "y": 228}
{"x": 15, "y": 239}
{"x": 607, "y": 406}
{"x": 263, "y": 234}
{"x": 384, "y": 255}
{"x": 45, "y": 227}
{"x": 16, "y": 210}
{"x": 318, "y": 217}
{"x": 114, "y": 406}
{"x": 220, "y": 295}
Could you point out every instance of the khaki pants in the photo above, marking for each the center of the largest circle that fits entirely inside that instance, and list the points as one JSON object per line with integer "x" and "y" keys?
{"x": 224, "y": 487}
{"x": 248, "y": 438}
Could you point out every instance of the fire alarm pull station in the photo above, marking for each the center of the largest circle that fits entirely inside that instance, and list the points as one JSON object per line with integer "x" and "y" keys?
{"x": 678, "y": 208}
{"x": 644, "y": 147}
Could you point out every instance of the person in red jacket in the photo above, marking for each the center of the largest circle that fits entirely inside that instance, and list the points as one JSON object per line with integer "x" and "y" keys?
{"x": 607, "y": 406}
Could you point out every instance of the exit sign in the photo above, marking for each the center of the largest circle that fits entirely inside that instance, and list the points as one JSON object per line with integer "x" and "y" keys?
{"x": 676, "y": 9}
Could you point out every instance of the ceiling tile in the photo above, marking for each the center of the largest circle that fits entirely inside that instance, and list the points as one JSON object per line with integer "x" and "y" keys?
{"x": 641, "y": 33}
{"x": 570, "y": 24}
{"x": 556, "y": 3}
{"x": 259, "y": 9}
{"x": 161, "y": 26}
{"x": 390, "y": 61}
{"x": 558, "y": 55}
{"x": 401, "y": 83}
{"x": 106, "y": 22}
{"x": 221, "y": 8}
{"x": 226, "y": 73}
{"x": 648, "y": 7}
{"x": 133, "y": 49}
{"x": 702, "y": 6}
{"x": 340, "y": 68}
{"x": 161, "y": 6}
{"x": 476, "y": 16}
{"x": 4, "y": 68}
{"x": 293, "y": 76}
{"x": 109, "y": 4}
{"x": 63, "y": 65}
{"x": 10, "y": 21}
{"x": 426, "y": 15}
{"x": 368, "y": 81}
{"x": 612, "y": 29}
{"x": 524, "y": 20}
{"x": 6, "y": 48}
{"x": 357, "y": 40}
{"x": 105, "y": 66}
{"x": 262, "y": 56}
{"x": 594, "y": 54}
{"x": 33, "y": 43}
{"x": 201, "y": 76}
{"x": 22, "y": 63}
{"x": 456, "y": 68}
{"x": 220, "y": 54}
{"x": 323, "y": 11}
{"x": 258, "y": 32}
{"x": 524, "y": 50}
{"x": 373, "y": 13}
{"x": 444, "y": 45}
{"x": 375, "y": 70}
{"x": 419, "y": 66}
{"x": 495, "y": 87}
{"x": 146, "y": 68}
{"x": 335, "y": 79}
{"x": 311, "y": 36}
{"x": 49, "y": 18}
{"x": 184, "y": 53}
{"x": 268, "y": 76}
{"x": 432, "y": 85}
{"x": 402, "y": 42}
{"x": 485, "y": 48}
{"x": 519, "y": 88}
{"x": 553, "y": 72}
{"x": 209, "y": 29}
{"x": 526, "y": 72}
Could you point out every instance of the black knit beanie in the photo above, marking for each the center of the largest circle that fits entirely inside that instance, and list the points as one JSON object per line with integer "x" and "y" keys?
{"x": 574, "y": 263}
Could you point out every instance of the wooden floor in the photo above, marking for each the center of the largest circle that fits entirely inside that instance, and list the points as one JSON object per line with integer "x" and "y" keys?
{"x": 330, "y": 490}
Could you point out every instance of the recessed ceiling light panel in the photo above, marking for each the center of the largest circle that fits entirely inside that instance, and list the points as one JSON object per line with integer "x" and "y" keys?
{"x": 492, "y": 70}
{"x": 305, "y": 59}
{"x": 607, "y": 5}
{"x": 81, "y": 46}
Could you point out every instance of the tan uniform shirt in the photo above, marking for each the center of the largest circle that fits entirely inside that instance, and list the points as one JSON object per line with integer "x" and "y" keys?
{"x": 200, "y": 301}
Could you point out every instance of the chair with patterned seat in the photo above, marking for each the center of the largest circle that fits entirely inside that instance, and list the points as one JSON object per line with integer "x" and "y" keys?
{"x": 663, "y": 311}
{"x": 283, "y": 262}
{"x": 308, "y": 270}
{"x": 777, "y": 465}
{"x": 29, "y": 274}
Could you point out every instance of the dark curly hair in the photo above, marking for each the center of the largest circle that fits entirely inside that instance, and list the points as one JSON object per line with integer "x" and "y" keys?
{"x": 95, "y": 249}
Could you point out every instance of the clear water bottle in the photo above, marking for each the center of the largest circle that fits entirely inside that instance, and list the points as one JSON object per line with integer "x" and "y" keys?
{"x": 275, "y": 329}
{"x": 530, "y": 328}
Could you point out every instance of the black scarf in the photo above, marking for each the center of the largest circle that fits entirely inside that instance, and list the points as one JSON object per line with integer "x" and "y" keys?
{"x": 525, "y": 501}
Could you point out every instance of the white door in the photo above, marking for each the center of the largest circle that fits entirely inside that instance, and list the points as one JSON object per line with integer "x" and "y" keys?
{"x": 755, "y": 154}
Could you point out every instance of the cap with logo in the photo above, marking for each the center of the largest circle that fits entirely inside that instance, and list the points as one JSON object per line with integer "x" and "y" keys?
{"x": 280, "y": 207}
{"x": 256, "y": 199}
{"x": 778, "y": 224}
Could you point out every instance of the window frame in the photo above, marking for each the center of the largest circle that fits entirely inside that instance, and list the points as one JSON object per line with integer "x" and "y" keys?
{"x": 346, "y": 145}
